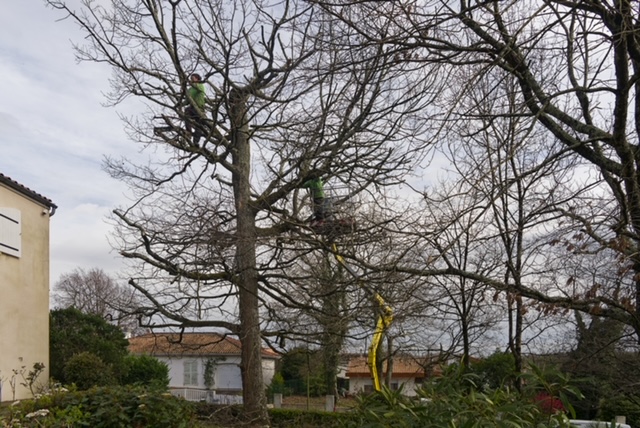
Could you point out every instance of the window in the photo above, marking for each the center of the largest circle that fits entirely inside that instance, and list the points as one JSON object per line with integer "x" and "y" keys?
{"x": 191, "y": 373}
{"x": 10, "y": 232}
{"x": 229, "y": 377}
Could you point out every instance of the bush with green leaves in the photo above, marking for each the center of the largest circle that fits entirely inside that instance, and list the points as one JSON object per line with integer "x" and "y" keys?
{"x": 302, "y": 372}
{"x": 86, "y": 370}
{"x": 231, "y": 416}
{"x": 72, "y": 332}
{"x": 276, "y": 386}
{"x": 147, "y": 371}
{"x": 495, "y": 371}
{"x": 103, "y": 407}
{"x": 284, "y": 418}
{"x": 627, "y": 405}
{"x": 456, "y": 400}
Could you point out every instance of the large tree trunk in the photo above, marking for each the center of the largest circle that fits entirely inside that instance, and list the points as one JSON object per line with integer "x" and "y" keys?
{"x": 331, "y": 354}
{"x": 333, "y": 324}
{"x": 255, "y": 403}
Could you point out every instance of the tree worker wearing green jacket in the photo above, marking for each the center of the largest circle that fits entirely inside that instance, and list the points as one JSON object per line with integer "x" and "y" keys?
{"x": 316, "y": 188}
{"x": 195, "y": 110}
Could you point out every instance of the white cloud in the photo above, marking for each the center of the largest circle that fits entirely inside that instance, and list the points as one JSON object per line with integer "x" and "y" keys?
{"x": 79, "y": 239}
{"x": 54, "y": 132}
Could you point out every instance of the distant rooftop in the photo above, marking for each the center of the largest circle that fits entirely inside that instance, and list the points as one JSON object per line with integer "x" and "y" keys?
{"x": 403, "y": 366}
{"x": 166, "y": 344}
{"x": 27, "y": 192}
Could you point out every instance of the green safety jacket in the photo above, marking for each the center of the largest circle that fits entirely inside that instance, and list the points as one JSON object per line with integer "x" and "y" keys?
{"x": 197, "y": 95}
{"x": 316, "y": 186}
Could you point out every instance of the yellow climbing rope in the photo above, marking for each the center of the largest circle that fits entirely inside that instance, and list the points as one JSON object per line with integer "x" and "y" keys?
{"x": 384, "y": 321}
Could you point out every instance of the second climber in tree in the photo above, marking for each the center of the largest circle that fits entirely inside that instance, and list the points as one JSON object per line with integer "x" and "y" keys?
{"x": 316, "y": 189}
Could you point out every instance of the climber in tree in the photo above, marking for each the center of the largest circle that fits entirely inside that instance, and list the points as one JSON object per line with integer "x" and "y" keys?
{"x": 194, "y": 121}
{"x": 316, "y": 189}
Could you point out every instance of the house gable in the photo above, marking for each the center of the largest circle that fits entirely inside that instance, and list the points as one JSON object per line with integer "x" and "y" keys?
{"x": 188, "y": 354}
{"x": 27, "y": 193}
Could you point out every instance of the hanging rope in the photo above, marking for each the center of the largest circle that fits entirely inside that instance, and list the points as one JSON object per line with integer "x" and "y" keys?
{"x": 382, "y": 324}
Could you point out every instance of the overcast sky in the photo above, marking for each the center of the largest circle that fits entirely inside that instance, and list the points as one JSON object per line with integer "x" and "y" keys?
{"x": 55, "y": 132}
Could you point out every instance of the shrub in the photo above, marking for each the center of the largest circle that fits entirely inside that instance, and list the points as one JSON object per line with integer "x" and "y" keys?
{"x": 86, "y": 370}
{"x": 284, "y": 418}
{"x": 231, "y": 416}
{"x": 495, "y": 371}
{"x": 276, "y": 386}
{"x": 626, "y": 405}
{"x": 72, "y": 332}
{"x": 146, "y": 370}
{"x": 104, "y": 407}
{"x": 455, "y": 400}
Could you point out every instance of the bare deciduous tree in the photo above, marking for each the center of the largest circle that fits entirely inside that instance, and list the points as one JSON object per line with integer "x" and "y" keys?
{"x": 291, "y": 93}
{"x": 575, "y": 64}
{"x": 94, "y": 292}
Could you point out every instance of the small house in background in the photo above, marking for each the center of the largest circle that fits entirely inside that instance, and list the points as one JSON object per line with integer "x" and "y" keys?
{"x": 406, "y": 371}
{"x": 24, "y": 285}
{"x": 202, "y": 366}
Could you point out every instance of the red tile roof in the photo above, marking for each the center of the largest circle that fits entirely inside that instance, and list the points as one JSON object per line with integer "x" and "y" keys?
{"x": 27, "y": 192}
{"x": 403, "y": 366}
{"x": 170, "y": 344}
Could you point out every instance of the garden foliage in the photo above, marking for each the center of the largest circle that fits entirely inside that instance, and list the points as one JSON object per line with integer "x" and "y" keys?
{"x": 72, "y": 332}
{"x": 102, "y": 407}
{"x": 455, "y": 400}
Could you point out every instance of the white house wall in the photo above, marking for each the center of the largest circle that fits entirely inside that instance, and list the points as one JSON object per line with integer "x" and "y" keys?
{"x": 228, "y": 377}
{"x": 227, "y": 374}
{"x": 358, "y": 385}
{"x": 24, "y": 293}
{"x": 268, "y": 370}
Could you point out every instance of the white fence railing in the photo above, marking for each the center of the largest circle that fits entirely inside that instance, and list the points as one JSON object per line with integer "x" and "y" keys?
{"x": 195, "y": 394}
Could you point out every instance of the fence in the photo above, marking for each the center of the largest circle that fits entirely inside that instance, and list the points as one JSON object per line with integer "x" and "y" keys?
{"x": 208, "y": 396}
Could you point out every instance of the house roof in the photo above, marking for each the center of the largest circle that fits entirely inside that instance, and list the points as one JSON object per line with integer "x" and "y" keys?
{"x": 403, "y": 366}
{"x": 175, "y": 344}
{"x": 27, "y": 192}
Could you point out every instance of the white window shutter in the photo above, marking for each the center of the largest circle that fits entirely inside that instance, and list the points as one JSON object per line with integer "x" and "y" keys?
{"x": 10, "y": 231}
{"x": 190, "y": 372}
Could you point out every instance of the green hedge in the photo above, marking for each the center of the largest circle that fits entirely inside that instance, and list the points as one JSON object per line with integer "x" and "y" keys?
{"x": 229, "y": 416}
{"x": 284, "y": 418}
